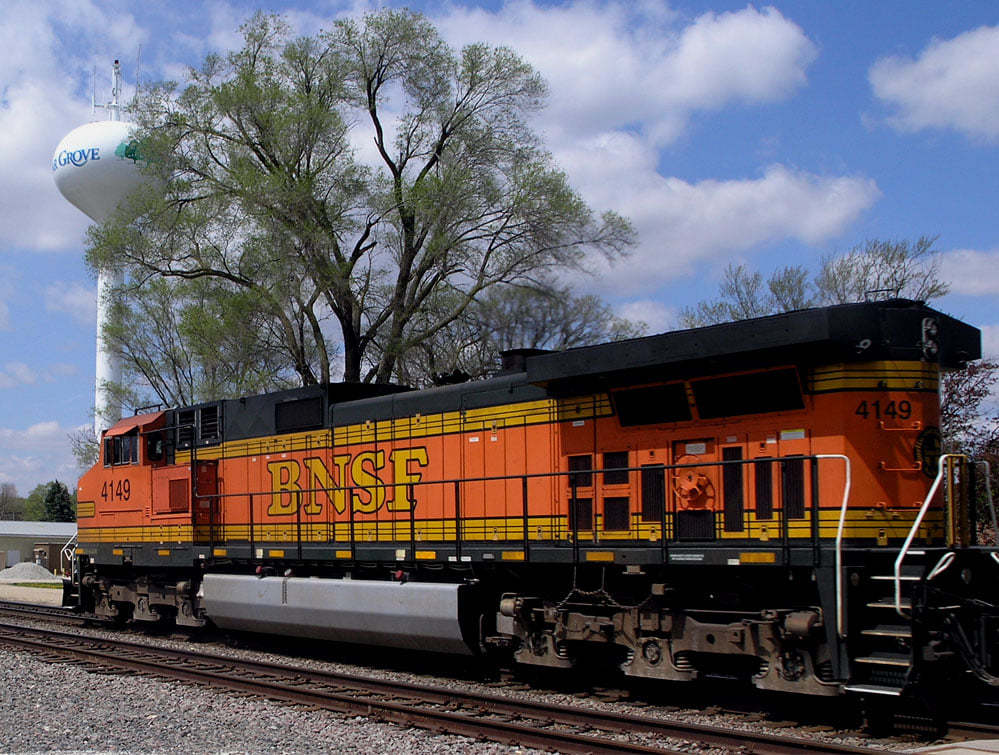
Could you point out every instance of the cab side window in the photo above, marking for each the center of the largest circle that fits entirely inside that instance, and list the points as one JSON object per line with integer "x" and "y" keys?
{"x": 155, "y": 447}
{"x": 122, "y": 449}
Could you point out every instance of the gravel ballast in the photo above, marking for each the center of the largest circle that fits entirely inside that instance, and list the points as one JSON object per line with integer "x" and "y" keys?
{"x": 64, "y": 708}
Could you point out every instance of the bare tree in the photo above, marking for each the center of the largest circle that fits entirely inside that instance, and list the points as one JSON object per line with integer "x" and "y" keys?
{"x": 967, "y": 423}
{"x": 744, "y": 294}
{"x": 543, "y": 316}
{"x": 11, "y": 507}
{"x": 888, "y": 268}
{"x": 186, "y": 341}
{"x": 909, "y": 269}
{"x": 874, "y": 269}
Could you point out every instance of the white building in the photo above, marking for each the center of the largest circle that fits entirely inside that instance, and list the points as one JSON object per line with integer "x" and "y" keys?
{"x": 18, "y": 539}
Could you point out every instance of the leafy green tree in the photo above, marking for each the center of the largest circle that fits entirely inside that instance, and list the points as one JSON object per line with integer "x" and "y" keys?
{"x": 34, "y": 508}
{"x": 59, "y": 506}
{"x": 262, "y": 192}
{"x": 187, "y": 341}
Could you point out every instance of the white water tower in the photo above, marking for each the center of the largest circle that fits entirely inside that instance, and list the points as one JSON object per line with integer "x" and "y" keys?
{"x": 95, "y": 167}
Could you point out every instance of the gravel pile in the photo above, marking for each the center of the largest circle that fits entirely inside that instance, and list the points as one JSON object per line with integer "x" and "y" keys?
{"x": 28, "y": 571}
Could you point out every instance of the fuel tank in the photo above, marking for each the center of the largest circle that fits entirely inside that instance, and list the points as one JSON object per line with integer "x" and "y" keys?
{"x": 415, "y": 615}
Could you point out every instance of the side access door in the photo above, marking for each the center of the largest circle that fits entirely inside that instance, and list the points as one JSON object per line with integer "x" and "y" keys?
{"x": 205, "y": 495}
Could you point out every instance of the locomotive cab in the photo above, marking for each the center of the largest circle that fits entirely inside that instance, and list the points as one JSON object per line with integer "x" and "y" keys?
{"x": 133, "y": 485}
{"x": 122, "y": 478}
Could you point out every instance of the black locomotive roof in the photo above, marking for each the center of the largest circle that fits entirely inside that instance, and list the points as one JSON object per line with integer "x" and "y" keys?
{"x": 885, "y": 330}
{"x": 889, "y": 330}
{"x": 301, "y": 408}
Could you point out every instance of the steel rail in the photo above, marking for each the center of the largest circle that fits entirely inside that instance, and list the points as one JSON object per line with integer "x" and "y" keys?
{"x": 971, "y": 730}
{"x": 45, "y": 613}
{"x": 380, "y": 699}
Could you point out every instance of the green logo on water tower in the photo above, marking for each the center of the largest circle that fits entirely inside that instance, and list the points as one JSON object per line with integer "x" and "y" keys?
{"x": 129, "y": 150}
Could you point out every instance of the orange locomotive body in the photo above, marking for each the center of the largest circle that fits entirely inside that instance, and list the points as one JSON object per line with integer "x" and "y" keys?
{"x": 715, "y": 500}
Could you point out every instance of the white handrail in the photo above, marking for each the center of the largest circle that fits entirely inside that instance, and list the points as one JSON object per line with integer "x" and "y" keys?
{"x": 942, "y": 565}
{"x": 69, "y": 551}
{"x": 915, "y": 529}
{"x": 839, "y": 539}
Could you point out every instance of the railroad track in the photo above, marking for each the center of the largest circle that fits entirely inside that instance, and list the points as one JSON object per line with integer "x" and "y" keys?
{"x": 46, "y": 613}
{"x": 964, "y": 730}
{"x": 478, "y": 715}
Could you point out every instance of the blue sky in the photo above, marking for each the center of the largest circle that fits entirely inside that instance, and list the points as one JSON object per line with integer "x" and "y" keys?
{"x": 756, "y": 134}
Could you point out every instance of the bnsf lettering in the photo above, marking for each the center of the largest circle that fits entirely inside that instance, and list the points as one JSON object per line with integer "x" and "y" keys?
{"x": 372, "y": 479}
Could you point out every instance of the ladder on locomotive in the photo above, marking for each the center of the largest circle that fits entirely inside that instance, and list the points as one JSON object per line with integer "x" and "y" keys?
{"x": 888, "y": 661}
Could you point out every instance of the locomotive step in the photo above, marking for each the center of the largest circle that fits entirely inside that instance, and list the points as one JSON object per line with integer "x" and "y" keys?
{"x": 874, "y": 689}
{"x": 896, "y": 631}
{"x": 886, "y": 659}
{"x": 891, "y": 578}
{"x": 905, "y": 603}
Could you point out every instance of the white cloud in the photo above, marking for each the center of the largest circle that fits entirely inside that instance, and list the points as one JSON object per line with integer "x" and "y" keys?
{"x": 971, "y": 272}
{"x": 990, "y": 341}
{"x": 41, "y": 102}
{"x": 657, "y": 316}
{"x": 60, "y": 369}
{"x": 75, "y": 299}
{"x": 37, "y": 454}
{"x": 218, "y": 32}
{"x": 614, "y": 65}
{"x": 745, "y": 55}
{"x": 9, "y": 277}
{"x": 40, "y": 434}
{"x": 625, "y": 81}
{"x": 17, "y": 373}
{"x": 33, "y": 215}
{"x": 951, "y": 84}
{"x": 682, "y": 223}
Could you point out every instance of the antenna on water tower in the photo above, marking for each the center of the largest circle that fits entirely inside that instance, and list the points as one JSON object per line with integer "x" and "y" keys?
{"x": 95, "y": 167}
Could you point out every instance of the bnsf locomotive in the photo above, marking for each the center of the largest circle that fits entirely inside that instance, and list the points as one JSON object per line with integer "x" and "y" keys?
{"x": 765, "y": 498}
